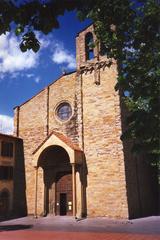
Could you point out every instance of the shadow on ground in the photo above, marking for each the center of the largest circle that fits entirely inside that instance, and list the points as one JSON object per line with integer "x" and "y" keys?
{"x": 14, "y": 227}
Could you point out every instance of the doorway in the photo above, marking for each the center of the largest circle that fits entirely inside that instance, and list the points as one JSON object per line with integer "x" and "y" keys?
{"x": 63, "y": 204}
{"x": 4, "y": 203}
{"x": 64, "y": 194}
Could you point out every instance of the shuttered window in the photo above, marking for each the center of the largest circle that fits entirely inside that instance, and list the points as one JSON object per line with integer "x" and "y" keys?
{"x": 7, "y": 149}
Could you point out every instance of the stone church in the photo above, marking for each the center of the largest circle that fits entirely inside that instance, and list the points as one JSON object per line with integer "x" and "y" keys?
{"x": 75, "y": 162}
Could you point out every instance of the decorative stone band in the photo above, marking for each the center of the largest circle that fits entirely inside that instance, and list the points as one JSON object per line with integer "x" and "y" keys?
{"x": 96, "y": 66}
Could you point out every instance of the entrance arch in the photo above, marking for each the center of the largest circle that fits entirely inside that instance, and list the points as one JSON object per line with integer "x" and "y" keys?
{"x": 57, "y": 177}
{"x": 60, "y": 159}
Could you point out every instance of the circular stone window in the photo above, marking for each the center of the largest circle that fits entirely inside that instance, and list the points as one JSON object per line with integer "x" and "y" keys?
{"x": 64, "y": 111}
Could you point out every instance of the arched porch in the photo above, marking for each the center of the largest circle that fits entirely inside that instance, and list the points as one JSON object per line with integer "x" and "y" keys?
{"x": 59, "y": 162}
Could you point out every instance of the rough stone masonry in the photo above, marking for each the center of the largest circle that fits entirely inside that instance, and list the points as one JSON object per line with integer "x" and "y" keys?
{"x": 106, "y": 178}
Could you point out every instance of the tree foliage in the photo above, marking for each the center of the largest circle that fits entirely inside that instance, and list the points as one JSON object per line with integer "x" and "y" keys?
{"x": 130, "y": 30}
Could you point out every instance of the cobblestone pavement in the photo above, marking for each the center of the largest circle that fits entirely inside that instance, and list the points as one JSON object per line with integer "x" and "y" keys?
{"x": 67, "y": 228}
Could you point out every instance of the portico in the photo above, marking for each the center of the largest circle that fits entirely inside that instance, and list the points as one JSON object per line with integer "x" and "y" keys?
{"x": 59, "y": 162}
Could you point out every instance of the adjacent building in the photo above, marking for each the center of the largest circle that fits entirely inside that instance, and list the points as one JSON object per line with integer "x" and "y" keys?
{"x": 11, "y": 177}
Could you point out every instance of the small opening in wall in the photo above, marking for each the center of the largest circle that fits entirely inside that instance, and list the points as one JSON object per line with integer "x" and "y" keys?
{"x": 89, "y": 45}
{"x": 6, "y": 173}
{"x": 7, "y": 149}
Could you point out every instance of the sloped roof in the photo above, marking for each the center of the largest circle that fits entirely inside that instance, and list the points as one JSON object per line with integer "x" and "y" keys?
{"x": 9, "y": 136}
{"x": 63, "y": 138}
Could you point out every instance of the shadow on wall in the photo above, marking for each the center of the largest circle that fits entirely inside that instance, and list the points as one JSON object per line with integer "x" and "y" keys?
{"x": 83, "y": 170}
{"x": 141, "y": 179}
{"x": 19, "y": 194}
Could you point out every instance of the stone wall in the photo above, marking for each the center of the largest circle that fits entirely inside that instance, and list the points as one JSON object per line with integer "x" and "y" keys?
{"x": 61, "y": 91}
{"x": 32, "y": 129}
{"x": 102, "y": 147}
{"x": 36, "y": 120}
{"x": 101, "y": 126}
{"x": 96, "y": 125}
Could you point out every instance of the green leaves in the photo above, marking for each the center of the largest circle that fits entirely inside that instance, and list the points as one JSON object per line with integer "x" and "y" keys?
{"x": 28, "y": 16}
{"x": 19, "y": 29}
{"x": 135, "y": 44}
{"x": 29, "y": 42}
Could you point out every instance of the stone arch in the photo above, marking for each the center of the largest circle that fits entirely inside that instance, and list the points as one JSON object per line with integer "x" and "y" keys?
{"x": 58, "y": 139}
{"x": 54, "y": 160}
{"x": 56, "y": 154}
{"x": 89, "y": 49}
{"x": 46, "y": 156}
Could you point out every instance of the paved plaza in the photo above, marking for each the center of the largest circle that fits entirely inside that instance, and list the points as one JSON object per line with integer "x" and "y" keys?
{"x": 67, "y": 228}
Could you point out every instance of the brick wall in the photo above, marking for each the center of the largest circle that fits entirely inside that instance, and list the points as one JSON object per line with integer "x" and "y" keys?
{"x": 37, "y": 119}
{"x": 101, "y": 124}
{"x": 32, "y": 129}
{"x": 96, "y": 125}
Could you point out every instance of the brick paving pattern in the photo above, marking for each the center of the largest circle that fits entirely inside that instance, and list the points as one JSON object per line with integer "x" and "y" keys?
{"x": 63, "y": 228}
{"x": 48, "y": 235}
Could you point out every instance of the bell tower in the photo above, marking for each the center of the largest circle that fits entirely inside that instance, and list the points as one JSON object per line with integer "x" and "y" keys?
{"x": 86, "y": 50}
{"x": 90, "y": 56}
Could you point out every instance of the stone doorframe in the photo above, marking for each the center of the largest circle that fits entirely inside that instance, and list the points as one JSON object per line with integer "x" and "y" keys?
{"x": 75, "y": 156}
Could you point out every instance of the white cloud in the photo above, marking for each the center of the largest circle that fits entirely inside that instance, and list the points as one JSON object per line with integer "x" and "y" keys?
{"x": 12, "y": 60}
{"x": 37, "y": 79}
{"x": 15, "y": 74}
{"x": 63, "y": 56}
{"x": 29, "y": 75}
{"x": 6, "y": 124}
{"x": 11, "y": 57}
{"x": 16, "y": 63}
{"x": 45, "y": 41}
{"x": 2, "y": 76}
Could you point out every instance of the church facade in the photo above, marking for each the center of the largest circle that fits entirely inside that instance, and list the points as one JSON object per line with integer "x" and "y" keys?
{"x": 75, "y": 162}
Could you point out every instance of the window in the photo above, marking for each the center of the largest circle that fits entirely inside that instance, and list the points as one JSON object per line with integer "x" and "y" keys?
{"x": 89, "y": 46}
{"x": 6, "y": 173}
{"x": 4, "y": 202}
{"x": 7, "y": 149}
{"x": 64, "y": 111}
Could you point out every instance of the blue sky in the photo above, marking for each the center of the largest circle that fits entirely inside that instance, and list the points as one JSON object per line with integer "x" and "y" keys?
{"x": 22, "y": 75}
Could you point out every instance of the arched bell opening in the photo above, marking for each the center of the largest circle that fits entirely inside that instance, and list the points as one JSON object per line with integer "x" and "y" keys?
{"x": 89, "y": 46}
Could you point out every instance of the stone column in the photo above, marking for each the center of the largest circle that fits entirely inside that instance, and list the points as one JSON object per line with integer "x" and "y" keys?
{"x": 79, "y": 199}
{"x": 74, "y": 189}
{"x": 36, "y": 190}
{"x": 45, "y": 200}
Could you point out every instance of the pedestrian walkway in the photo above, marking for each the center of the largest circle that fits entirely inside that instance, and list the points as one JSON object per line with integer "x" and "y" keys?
{"x": 67, "y": 228}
